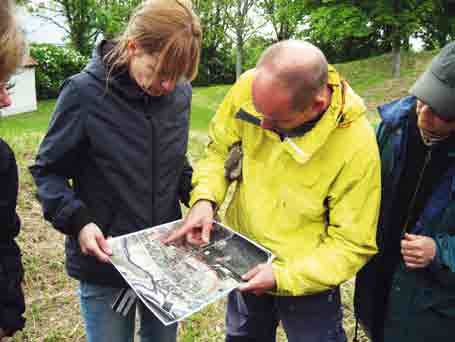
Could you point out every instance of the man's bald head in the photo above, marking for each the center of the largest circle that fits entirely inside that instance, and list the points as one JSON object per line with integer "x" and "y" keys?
{"x": 297, "y": 66}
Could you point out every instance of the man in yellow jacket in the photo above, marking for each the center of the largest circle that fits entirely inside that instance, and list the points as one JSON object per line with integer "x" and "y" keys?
{"x": 309, "y": 191}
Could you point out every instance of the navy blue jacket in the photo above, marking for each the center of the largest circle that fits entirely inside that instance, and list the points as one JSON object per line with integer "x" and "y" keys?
{"x": 115, "y": 156}
{"x": 432, "y": 288}
{"x": 11, "y": 297}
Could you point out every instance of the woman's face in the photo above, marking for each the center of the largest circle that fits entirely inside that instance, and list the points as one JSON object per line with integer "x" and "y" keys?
{"x": 5, "y": 97}
{"x": 143, "y": 70}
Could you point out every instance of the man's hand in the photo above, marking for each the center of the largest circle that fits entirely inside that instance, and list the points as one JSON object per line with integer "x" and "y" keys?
{"x": 260, "y": 279}
{"x": 417, "y": 250}
{"x": 196, "y": 226}
{"x": 92, "y": 242}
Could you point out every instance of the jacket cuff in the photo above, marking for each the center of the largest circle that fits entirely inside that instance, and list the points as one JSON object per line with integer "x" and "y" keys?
{"x": 282, "y": 280}
{"x": 198, "y": 195}
{"x": 437, "y": 263}
{"x": 79, "y": 220}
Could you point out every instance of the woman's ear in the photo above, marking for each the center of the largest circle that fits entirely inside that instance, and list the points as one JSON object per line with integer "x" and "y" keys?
{"x": 132, "y": 48}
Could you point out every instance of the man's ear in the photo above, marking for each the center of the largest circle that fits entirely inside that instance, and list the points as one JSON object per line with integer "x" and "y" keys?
{"x": 319, "y": 103}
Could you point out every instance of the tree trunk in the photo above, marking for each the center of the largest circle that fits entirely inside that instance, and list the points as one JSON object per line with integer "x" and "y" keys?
{"x": 239, "y": 59}
{"x": 396, "y": 58}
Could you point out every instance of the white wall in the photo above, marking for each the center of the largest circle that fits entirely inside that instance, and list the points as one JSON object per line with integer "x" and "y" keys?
{"x": 23, "y": 94}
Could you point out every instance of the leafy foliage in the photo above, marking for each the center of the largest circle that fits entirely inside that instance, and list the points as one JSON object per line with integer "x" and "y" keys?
{"x": 285, "y": 16}
{"x": 216, "y": 65}
{"x": 75, "y": 17}
{"x": 233, "y": 34}
{"x": 55, "y": 64}
{"x": 380, "y": 25}
{"x": 437, "y": 23}
{"x": 343, "y": 31}
{"x": 86, "y": 20}
{"x": 242, "y": 26}
{"x": 112, "y": 15}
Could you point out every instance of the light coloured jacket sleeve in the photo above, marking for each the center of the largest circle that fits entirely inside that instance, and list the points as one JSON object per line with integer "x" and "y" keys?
{"x": 208, "y": 178}
{"x": 353, "y": 210}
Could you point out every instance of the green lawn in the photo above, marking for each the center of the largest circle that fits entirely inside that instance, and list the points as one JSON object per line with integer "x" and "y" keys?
{"x": 369, "y": 77}
{"x": 30, "y": 122}
{"x": 52, "y": 304}
{"x": 204, "y": 105}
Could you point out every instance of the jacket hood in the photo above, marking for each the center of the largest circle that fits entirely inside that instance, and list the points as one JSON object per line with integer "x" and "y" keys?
{"x": 346, "y": 105}
{"x": 345, "y": 108}
{"x": 394, "y": 112}
{"x": 119, "y": 80}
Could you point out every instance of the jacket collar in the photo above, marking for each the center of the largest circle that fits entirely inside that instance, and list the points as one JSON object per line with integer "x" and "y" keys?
{"x": 395, "y": 112}
{"x": 345, "y": 107}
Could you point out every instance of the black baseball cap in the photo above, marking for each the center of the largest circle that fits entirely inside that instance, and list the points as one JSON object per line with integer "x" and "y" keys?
{"x": 436, "y": 86}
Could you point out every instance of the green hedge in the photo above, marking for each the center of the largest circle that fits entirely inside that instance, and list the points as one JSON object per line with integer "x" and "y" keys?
{"x": 55, "y": 64}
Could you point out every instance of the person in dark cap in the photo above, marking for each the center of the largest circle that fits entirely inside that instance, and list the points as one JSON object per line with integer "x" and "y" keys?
{"x": 407, "y": 291}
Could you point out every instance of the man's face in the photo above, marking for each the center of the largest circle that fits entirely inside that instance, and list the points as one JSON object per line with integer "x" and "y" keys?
{"x": 5, "y": 97}
{"x": 275, "y": 104}
{"x": 429, "y": 121}
{"x": 143, "y": 70}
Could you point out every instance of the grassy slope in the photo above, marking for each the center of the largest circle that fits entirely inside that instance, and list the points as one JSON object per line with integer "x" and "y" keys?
{"x": 52, "y": 305}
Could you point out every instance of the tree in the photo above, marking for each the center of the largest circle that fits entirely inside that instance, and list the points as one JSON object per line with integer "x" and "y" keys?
{"x": 437, "y": 23}
{"x": 392, "y": 21}
{"x": 113, "y": 15}
{"x": 79, "y": 21}
{"x": 284, "y": 15}
{"x": 243, "y": 27}
{"x": 397, "y": 20}
{"x": 85, "y": 20}
{"x": 215, "y": 66}
{"x": 342, "y": 30}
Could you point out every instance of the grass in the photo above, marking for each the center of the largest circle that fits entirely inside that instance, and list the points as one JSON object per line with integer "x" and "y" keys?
{"x": 52, "y": 304}
{"x": 28, "y": 123}
{"x": 371, "y": 78}
{"x": 204, "y": 104}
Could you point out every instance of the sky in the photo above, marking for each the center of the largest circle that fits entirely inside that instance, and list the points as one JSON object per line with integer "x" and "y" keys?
{"x": 39, "y": 30}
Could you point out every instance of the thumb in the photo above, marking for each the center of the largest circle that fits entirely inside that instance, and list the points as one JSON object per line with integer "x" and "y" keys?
{"x": 102, "y": 242}
{"x": 251, "y": 273}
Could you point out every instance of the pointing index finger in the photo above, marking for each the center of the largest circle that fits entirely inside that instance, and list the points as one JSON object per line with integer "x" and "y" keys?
{"x": 175, "y": 235}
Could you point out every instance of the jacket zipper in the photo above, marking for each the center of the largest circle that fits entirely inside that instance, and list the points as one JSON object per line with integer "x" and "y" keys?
{"x": 414, "y": 196}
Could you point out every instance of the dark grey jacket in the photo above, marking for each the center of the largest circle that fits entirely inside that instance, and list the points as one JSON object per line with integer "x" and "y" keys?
{"x": 12, "y": 304}
{"x": 114, "y": 156}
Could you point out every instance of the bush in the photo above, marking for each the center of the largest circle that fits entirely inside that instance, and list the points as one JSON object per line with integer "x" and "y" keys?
{"x": 55, "y": 64}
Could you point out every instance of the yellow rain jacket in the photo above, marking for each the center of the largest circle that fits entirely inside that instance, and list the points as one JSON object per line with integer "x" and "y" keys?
{"x": 312, "y": 200}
